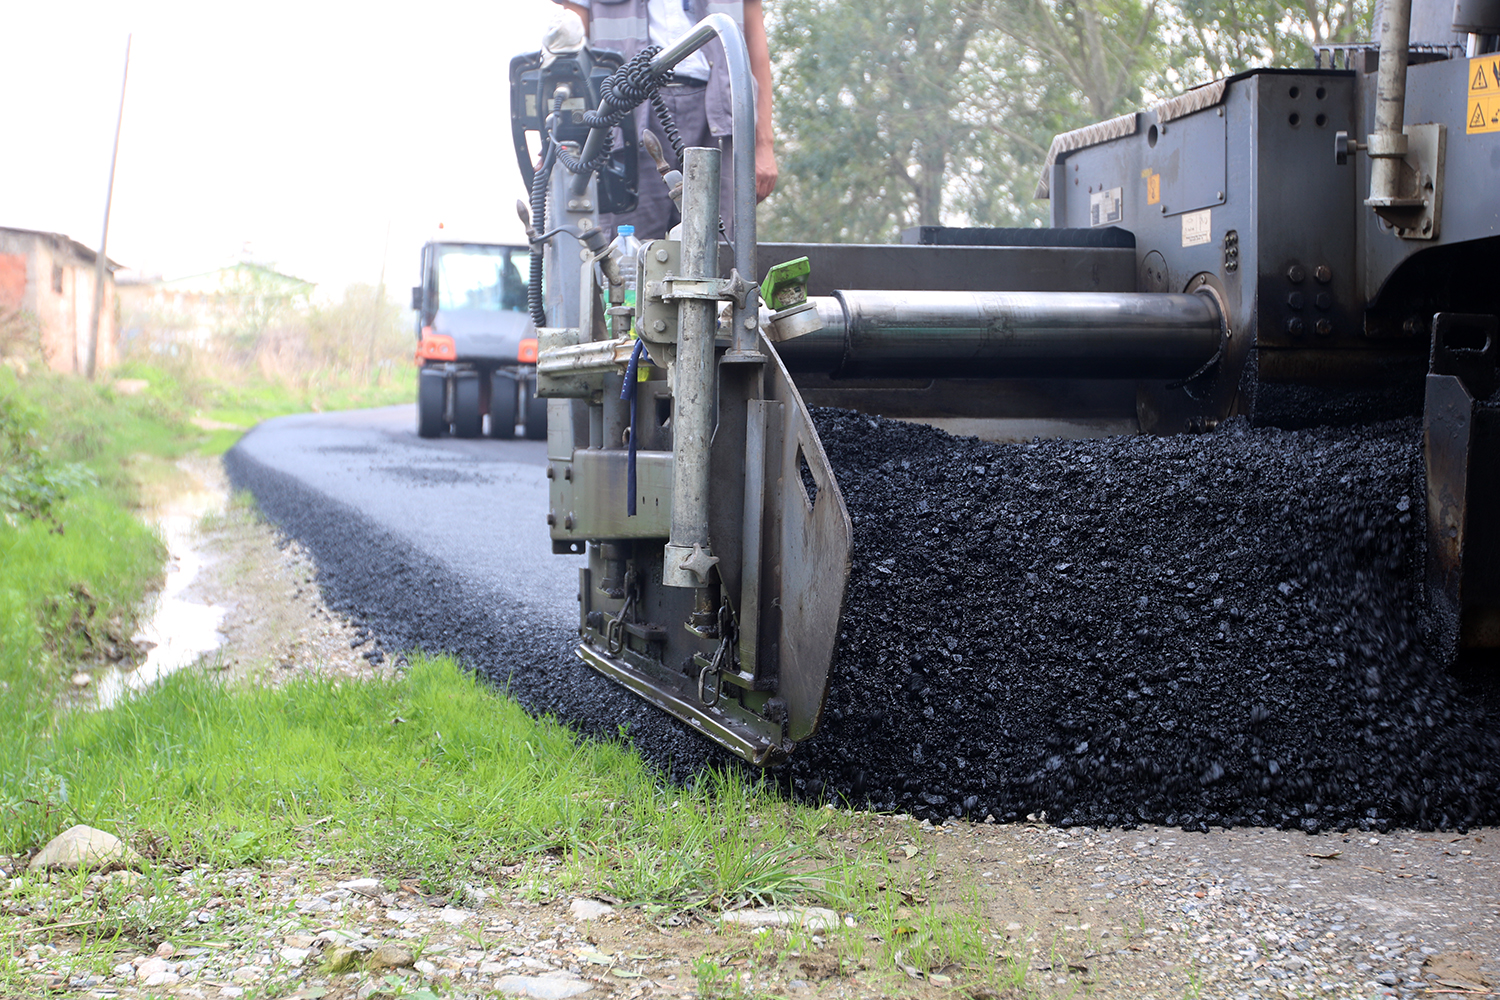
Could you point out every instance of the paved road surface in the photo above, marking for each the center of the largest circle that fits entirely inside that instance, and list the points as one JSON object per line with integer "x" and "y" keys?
{"x": 476, "y": 506}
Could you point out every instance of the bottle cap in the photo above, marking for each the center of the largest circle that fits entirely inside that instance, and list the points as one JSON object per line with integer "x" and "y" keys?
{"x": 625, "y": 231}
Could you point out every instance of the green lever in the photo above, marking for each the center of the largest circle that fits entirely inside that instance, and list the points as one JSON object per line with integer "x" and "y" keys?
{"x": 786, "y": 284}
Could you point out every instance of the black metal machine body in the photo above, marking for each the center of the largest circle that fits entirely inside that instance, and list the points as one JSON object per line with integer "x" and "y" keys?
{"x": 1266, "y": 246}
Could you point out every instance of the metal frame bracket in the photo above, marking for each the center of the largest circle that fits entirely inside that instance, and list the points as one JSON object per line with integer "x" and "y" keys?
{"x": 672, "y": 288}
{"x": 1418, "y": 213}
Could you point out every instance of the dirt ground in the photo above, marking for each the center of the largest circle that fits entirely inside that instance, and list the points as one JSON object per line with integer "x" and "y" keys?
{"x": 1144, "y": 914}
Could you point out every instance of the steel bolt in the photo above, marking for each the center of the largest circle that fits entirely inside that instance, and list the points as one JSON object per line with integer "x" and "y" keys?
{"x": 1324, "y": 300}
{"x": 551, "y": 520}
{"x": 568, "y": 521}
{"x": 1294, "y": 300}
{"x": 662, "y": 256}
{"x": 750, "y": 322}
{"x": 1294, "y": 326}
{"x": 660, "y": 326}
{"x": 1323, "y": 274}
{"x": 551, "y": 472}
{"x": 1324, "y": 327}
{"x": 1295, "y": 274}
{"x": 568, "y": 473}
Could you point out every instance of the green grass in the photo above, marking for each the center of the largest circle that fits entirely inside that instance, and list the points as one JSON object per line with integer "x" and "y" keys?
{"x": 68, "y": 420}
{"x": 426, "y": 775}
{"x": 435, "y": 775}
{"x": 251, "y": 399}
{"x": 242, "y": 399}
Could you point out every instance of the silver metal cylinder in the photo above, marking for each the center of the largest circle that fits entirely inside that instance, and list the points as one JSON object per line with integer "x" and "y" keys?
{"x": 1387, "y": 143}
{"x": 687, "y": 560}
{"x": 867, "y": 334}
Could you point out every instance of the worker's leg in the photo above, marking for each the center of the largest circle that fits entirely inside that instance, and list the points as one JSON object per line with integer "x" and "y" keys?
{"x": 655, "y": 214}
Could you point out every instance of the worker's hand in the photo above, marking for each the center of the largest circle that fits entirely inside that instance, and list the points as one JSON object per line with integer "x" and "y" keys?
{"x": 765, "y": 170}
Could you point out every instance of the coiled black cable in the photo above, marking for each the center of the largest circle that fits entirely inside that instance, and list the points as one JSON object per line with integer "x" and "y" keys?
{"x": 620, "y": 94}
{"x": 539, "y": 181}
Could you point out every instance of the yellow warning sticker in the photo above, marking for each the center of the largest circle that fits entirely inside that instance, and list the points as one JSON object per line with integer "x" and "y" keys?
{"x": 1482, "y": 112}
{"x": 1153, "y": 189}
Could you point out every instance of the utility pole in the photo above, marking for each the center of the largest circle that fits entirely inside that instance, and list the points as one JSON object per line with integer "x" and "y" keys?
{"x": 109, "y": 194}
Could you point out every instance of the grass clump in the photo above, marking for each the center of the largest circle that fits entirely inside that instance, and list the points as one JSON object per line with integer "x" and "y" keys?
{"x": 427, "y": 774}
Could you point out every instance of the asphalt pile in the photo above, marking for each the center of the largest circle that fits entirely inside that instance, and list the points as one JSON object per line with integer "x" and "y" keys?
{"x": 1197, "y": 630}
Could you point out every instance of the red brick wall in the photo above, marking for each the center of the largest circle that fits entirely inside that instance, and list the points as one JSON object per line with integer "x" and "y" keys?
{"x": 12, "y": 280}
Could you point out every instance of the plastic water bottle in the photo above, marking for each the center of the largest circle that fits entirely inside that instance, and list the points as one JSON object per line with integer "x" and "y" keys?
{"x": 630, "y": 259}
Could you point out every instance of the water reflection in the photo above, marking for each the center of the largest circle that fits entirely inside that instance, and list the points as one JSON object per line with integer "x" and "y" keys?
{"x": 178, "y": 629}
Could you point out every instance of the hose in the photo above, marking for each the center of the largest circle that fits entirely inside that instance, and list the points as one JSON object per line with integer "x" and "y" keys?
{"x": 539, "y": 181}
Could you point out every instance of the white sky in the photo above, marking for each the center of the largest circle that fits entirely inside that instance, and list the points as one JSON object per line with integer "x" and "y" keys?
{"x": 302, "y": 128}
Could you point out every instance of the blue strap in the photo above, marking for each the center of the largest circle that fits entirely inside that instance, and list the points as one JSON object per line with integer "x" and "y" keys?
{"x": 628, "y": 391}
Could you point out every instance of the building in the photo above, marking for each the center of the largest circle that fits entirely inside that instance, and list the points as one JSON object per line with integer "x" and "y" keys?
{"x": 233, "y": 307}
{"x": 47, "y": 298}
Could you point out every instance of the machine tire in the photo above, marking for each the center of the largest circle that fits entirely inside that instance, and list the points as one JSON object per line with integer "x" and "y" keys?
{"x": 536, "y": 413}
{"x": 468, "y": 419}
{"x": 431, "y": 388}
{"x": 502, "y": 405}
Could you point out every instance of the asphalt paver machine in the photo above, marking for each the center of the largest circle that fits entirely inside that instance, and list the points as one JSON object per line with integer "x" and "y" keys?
{"x": 1291, "y": 246}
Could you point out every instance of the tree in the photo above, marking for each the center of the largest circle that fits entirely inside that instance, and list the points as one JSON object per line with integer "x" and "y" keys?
{"x": 1103, "y": 48}
{"x": 897, "y": 113}
{"x": 1223, "y": 37}
{"x": 868, "y": 114}
{"x": 911, "y": 113}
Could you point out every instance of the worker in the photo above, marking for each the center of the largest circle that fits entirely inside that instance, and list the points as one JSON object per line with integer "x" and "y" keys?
{"x": 698, "y": 97}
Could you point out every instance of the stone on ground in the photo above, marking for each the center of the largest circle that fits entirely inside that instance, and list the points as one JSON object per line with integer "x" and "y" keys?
{"x": 812, "y": 918}
{"x": 589, "y": 909}
{"x": 84, "y": 847}
{"x": 390, "y": 956}
{"x": 541, "y": 987}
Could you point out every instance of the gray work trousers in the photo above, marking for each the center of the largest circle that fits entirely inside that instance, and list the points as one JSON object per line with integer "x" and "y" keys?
{"x": 655, "y": 214}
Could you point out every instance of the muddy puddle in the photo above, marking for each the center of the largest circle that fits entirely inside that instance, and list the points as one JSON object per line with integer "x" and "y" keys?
{"x": 178, "y": 629}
